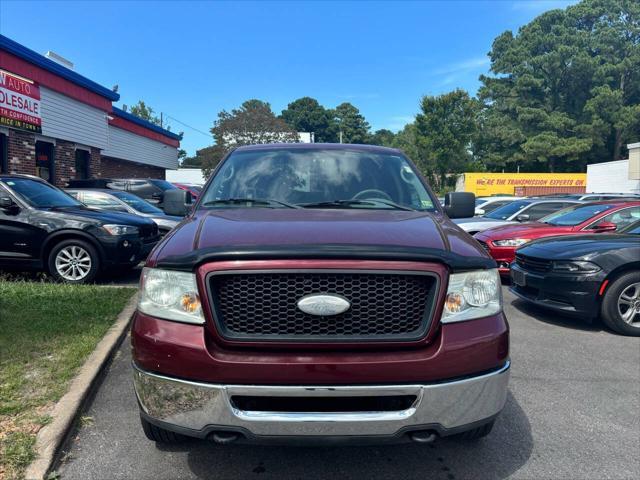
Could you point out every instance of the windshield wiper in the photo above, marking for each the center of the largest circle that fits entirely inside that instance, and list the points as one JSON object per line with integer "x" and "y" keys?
{"x": 254, "y": 201}
{"x": 354, "y": 203}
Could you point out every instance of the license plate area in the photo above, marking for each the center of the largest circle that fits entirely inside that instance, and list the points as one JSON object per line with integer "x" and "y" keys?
{"x": 519, "y": 277}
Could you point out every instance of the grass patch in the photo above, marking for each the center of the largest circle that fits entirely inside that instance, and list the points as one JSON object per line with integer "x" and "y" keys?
{"x": 47, "y": 330}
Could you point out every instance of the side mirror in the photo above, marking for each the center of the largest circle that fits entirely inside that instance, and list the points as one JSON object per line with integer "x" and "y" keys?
{"x": 460, "y": 204}
{"x": 523, "y": 218}
{"x": 605, "y": 227}
{"x": 480, "y": 212}
{"x": 175, "y": 202}
{"x": 8, "y": 205}
{"x": 5, "y": 202}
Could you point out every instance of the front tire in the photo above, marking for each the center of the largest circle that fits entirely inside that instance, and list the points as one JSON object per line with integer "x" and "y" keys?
{"x": 621, "y": 305}
{"x": 159, "y": 435}
{"x": 74, "y": 261}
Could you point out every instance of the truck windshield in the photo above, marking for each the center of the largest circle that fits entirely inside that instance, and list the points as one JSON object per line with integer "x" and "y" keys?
{"x": 41, "y": 194}
{"x": 317, "y": 178}
{"x": 569, "y": 217}
{"x": 507, "y": 211}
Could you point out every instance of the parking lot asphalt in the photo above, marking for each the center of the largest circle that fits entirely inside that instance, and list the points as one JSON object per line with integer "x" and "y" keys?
{"x": 572, "y": 412}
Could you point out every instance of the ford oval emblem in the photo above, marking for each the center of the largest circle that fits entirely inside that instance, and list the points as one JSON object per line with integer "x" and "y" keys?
{"x": 323, "y": 305}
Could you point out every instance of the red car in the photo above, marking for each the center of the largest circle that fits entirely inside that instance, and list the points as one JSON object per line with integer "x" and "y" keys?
{"x": 194, "y": 190}
{"x": 596, "y": 217}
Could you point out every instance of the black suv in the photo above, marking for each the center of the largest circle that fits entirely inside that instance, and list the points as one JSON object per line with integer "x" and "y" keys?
{"x": 43, "y": 228}
{"x": 151, "y": 189}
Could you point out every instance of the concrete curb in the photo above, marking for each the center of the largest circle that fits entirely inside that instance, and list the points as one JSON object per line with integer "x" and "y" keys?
{"x": 51, "y": 436}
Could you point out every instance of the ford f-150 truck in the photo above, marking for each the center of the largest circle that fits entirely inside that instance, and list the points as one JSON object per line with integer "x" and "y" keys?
{"x": 320, "y": 293}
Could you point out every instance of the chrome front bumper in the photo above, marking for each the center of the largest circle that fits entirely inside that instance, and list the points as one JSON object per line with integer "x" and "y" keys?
{"x": 198, "y": 409}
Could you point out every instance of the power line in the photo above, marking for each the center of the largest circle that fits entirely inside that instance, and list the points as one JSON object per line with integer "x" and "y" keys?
{"x": 188, "y": 126}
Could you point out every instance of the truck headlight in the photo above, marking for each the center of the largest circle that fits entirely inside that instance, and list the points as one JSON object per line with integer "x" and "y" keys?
{"x": 170, "y": 295}
{"x": 472, "y": 295}
{"x": 121, "y": 229}
{"x": 510, "y": 242}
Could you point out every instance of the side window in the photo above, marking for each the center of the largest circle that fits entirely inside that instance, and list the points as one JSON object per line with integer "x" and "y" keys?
{"x": 536, "y": 212}
{"x": 621, "y": 218}
{"x": 492, "y": 206}
{"x": 100, "y": 200}
{"x": 75, "y": 195}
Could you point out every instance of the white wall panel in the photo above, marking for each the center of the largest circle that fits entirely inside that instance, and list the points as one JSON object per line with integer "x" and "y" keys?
{"x": 69, "y": 119}
{"x": 135, "y": 148}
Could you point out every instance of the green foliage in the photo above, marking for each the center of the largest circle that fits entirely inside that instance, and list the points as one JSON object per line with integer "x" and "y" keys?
{"x": 445, "y": 129}
{"x": 350, "y": 124}
{"x": 307, "y": 115}
{"x": 382, "y": 137}
{"x": 566, "y": 89}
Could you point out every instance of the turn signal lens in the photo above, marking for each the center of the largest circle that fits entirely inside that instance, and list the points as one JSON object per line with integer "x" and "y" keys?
{"x": 190, "y": 302}
{"x": 454, "y": 303}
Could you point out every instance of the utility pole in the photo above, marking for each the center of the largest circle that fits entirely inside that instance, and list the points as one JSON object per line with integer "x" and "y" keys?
{"x": 340, "y": 136}
{"x": 161, "y": 120}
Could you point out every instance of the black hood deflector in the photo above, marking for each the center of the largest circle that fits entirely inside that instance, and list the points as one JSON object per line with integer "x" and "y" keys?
{"x": 456, "y": 263}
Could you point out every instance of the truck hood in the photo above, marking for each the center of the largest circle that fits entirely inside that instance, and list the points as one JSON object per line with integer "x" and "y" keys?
{"x": 251, "y": 233}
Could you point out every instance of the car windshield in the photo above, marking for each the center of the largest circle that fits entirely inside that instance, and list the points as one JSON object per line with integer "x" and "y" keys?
{"x": 633, "y": 229}
{"x": 40, "y": 194}
{"x": 571, "y": 216}
{"x": 508, "y": 210}
{"x": 317, "y": 178}
{"x": 137, "y": 203}
{"x": 163, "y": 184}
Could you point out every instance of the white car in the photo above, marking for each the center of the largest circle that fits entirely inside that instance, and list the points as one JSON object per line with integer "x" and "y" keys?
{"x": 525, "y": 210}
{"x": 486, "y": 205}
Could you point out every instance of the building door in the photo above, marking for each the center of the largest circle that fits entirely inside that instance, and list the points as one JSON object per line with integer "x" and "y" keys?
{"x": 82, "y": 164}
{"x": 4, "y": 153}
{"x": 45, "y": 161}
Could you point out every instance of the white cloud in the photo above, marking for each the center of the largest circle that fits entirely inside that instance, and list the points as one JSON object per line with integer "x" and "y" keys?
{"x": 454, "y": 72}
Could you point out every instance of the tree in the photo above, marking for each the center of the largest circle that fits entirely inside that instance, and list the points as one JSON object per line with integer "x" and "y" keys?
{"x": 351, "y": 126}
{"x": 141, "y": 110}
{"x": 566, "y": 88}
{"x": 307, "y": 115}
{"x": 445, "y": 129}
{"x": 253, "y": 123}
{"x": 382, "y": 137}
{"x": 206, "y": 158}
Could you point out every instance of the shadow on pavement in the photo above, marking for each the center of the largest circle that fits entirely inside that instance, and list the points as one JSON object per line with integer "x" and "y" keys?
{"x": 497, "y": 456}
{"x": 557, "y": 319}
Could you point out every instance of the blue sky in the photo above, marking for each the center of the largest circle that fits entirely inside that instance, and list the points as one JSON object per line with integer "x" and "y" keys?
{"x": 193, "y": 59}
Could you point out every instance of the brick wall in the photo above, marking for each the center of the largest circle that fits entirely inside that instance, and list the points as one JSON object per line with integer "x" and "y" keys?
{"x": 21, "y": 150}
{"x": 116, "y": 168}
{"x": 95, "y": 163}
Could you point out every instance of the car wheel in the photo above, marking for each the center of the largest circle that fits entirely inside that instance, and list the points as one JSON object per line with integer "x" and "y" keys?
{"x": 477, "y": 433}
{"x": 74, "y": 261}
{"x": 621, "y": 305}
{"x": 159, "y": 435}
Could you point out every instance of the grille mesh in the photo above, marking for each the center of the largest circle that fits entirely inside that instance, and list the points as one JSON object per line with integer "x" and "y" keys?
{"x": 533, "y": 264}
{"x": 263, "y": 306}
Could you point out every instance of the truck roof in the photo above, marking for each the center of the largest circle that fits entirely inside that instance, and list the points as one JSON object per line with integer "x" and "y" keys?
{"x": 318, "y": 146}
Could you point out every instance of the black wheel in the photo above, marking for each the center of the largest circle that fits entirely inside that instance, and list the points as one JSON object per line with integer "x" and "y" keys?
{"x": 621, "y": 305}
{"x": 159, "y": 435}
{"x": 74, "y": 261}
{"x": 477, "y": 433}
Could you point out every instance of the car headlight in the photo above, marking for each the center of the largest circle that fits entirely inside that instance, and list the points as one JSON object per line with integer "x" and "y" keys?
{"x": 121, "y": 229}
{"x": 170, "y": 295}
{"x": 575, "y": 267}
{"x": 472, "y": 295}
{"x": 510, "y": 242}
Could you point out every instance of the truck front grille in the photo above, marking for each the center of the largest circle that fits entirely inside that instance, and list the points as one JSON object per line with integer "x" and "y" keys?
{"x": 262, "y": 306}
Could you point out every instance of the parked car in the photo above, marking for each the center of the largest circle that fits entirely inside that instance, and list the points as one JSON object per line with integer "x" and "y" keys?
{"x": 587, "y": 276}
{"x": 319, "y": 292}
{"x": 118, "y": 201}
{"x": 194, "y": 190}
{"x": 150, "y": 189}
{"x": 529, "y": 209}
{"x": 43, "y": 228}
{"x": 598, "y": 217}
{"x": 595, "y": 197}
{"x": 485, "y": 205}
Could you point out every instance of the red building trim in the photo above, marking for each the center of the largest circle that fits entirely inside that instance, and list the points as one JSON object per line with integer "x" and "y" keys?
{"x": 139, "y": 130}
{"x": 50, "y": 80}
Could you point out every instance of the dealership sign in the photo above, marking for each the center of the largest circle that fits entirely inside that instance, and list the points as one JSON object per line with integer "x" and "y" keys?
{"x": 19, "y": 103}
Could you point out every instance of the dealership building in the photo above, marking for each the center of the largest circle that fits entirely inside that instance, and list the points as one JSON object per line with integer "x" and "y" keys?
{"x": 59, "y": 125}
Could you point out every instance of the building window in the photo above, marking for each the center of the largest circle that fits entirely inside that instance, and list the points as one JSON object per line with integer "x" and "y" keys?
{"x": 45, "y": 161}
{"x": 4, "y": 153}
{"x": 82, "y": 164}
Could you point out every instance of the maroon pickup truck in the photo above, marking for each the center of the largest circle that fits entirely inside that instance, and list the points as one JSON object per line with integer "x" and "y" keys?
{"x": 320, "y": 293}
